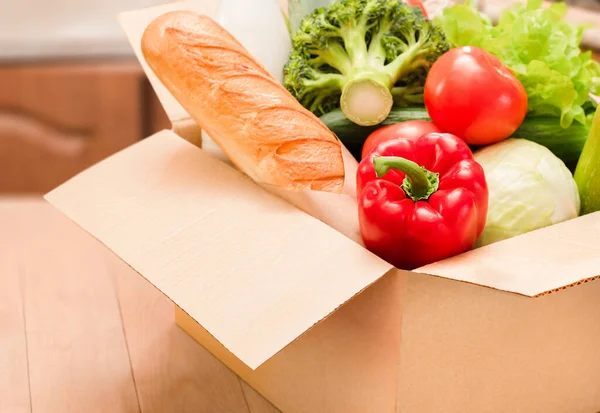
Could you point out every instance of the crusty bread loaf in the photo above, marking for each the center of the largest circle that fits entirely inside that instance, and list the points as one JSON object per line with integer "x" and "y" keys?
{"x": 259, "y": 125}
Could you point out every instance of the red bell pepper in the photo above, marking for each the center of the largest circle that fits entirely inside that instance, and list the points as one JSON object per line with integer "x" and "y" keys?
{"x": 421, "y": 200}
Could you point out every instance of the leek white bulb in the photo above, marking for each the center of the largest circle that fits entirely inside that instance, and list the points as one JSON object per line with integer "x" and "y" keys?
{"x": 529, "y": 188}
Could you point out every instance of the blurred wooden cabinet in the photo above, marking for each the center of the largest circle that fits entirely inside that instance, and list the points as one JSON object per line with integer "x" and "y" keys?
{"x": 56, "y": 119}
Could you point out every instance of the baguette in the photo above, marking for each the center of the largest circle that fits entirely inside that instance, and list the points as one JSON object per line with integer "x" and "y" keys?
{"x": 257, "y": 123}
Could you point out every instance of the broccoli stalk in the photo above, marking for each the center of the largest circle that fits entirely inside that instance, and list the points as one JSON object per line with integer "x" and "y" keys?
{"x": 362, "y": 56}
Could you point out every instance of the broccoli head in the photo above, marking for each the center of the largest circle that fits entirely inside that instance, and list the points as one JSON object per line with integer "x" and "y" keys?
{"x": 362, "y": 56}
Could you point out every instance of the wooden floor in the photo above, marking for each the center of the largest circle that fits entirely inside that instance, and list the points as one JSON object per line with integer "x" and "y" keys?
{"x": 81, "y": 332}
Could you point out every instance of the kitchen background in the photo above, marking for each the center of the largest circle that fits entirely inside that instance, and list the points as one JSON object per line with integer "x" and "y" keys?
{"x": 72, "y": 94}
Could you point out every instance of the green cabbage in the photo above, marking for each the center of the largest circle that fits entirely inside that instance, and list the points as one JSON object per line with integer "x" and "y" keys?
{"x": 540, "y": 47}
{"x": 529, "y": 188}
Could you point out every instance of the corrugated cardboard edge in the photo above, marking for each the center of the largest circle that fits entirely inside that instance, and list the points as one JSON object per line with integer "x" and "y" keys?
{"x": 575, "y": 284}
{"x": 567, "y": 254}
{"x": 504, "y": 290}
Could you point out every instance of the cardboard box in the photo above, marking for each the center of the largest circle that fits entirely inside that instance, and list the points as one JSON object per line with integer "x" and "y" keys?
{"x": 278, "y": 287}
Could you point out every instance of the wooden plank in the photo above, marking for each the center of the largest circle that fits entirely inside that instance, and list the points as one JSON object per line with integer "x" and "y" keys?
{"x": 14, "y": 380}
{"x": 78, "y": 358}
{"x": 172, "y": 372}
{"x": 256, "y": 402}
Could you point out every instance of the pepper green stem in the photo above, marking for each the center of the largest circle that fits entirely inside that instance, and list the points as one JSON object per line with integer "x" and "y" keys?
{"x": 419, "y": 183}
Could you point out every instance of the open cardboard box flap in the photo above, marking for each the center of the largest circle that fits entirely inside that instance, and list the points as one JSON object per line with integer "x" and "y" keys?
{"x": 250, "y": 263}
{"x": 251, "y": 268}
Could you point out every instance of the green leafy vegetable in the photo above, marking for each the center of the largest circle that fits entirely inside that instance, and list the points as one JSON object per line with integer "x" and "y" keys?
{"x": 541, "y": 48}
{"x": 362, "y": 56}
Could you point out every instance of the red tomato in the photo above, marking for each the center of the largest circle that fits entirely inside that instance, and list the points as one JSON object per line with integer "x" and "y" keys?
{"x": 471, "y": 94}
{"x": 410, "y": 129}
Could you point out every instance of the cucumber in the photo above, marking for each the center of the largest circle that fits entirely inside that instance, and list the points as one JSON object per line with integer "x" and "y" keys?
{"x": 351, "y": 133}
{"x": 567, "y": 143}
{"x": 587, "y": 173}
{"x": 353, "y": 136}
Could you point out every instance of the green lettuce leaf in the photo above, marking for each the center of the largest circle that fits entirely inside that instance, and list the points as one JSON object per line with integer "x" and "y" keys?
{"x": 540, "y": 47}
{"x": 551, "y": 94}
